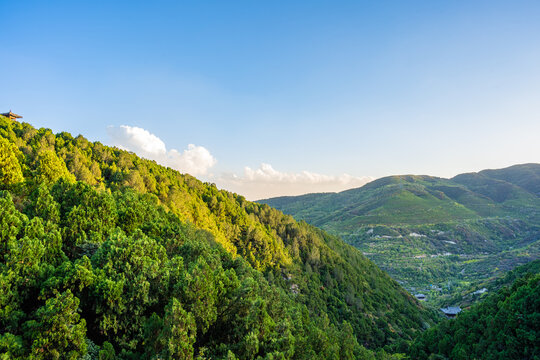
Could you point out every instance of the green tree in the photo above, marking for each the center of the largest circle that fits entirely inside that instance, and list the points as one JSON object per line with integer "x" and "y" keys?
{"x": 58, "y": 332}
{"x": 50, "y": 168}
{"x": 10, "y": 168}
{"x": 11, "y": 347}
{"x": 107, "y": 352}
{"x": 179, "y": 332}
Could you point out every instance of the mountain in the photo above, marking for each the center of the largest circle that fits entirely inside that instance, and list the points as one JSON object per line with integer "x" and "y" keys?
{"x": 432, "y": 234}
{"x": 104, "y": 254}
{"x": 526, "y": 176}
{"x": 410, "y": 199}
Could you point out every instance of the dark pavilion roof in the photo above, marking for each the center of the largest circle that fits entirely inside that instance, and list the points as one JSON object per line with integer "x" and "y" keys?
{"x": 11, "y": 115}
{"x": 451, "y": 310}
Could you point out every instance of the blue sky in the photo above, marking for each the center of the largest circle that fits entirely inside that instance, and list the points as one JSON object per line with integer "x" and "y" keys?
{"x": 283, "y": 97}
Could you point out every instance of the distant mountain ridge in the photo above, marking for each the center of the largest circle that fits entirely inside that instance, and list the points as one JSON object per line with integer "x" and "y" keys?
{"x": 428, "y": 230}
{"x": 426, "y": 198}
{"x": 526, "y": 176}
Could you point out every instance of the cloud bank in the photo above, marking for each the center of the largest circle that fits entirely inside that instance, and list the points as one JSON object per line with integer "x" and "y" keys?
{"x": 254, "y": 184}
{"x": 266, "y": 182}
{"x": 195, "y": 160}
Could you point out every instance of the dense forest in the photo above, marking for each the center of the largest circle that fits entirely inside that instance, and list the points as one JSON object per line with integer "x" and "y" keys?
{"x": 439, "y": 237}
{"x": 505, "y": 325}
{"x": 106, "y": 255}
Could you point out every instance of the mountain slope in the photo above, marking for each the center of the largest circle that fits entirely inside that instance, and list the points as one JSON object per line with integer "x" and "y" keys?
{"x": 433, "y": 233}
{"x": 505, "y": 325}
{"x": 150, "y": 255}
{"x": 410, "y": 199}
{"x": 526, "y": 176}
{"x": 480, "y": 291}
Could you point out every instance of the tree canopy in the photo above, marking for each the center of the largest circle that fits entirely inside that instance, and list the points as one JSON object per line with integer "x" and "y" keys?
{"x": 106, "y": 255}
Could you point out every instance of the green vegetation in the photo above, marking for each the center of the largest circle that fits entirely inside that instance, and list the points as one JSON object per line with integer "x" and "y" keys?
{"x": 106, "y": 255}
{"x": 479, "y": 291}
{"x": 417, "y": 200}
{"x": 505, "y": 325}
{"x": 439, "y": 237}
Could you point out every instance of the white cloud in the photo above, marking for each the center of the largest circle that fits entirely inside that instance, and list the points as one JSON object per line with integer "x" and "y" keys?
{"x": 195, "y": 160}
{"x": 137, "y": 139}
{"x": 254, "y": 184}
{"x": 266, "y": 182}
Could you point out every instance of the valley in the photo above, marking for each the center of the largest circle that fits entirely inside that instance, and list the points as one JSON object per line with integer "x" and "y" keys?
{"x": 437, "y": 237}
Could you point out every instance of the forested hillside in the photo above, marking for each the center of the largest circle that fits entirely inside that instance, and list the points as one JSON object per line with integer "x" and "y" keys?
{"x": 437, "y": 236}
{"x": 415, "y": 200}
{"x": 505, "y": 325}
{"x": 105, "y": 254}
{"x": 480, "y": 291}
